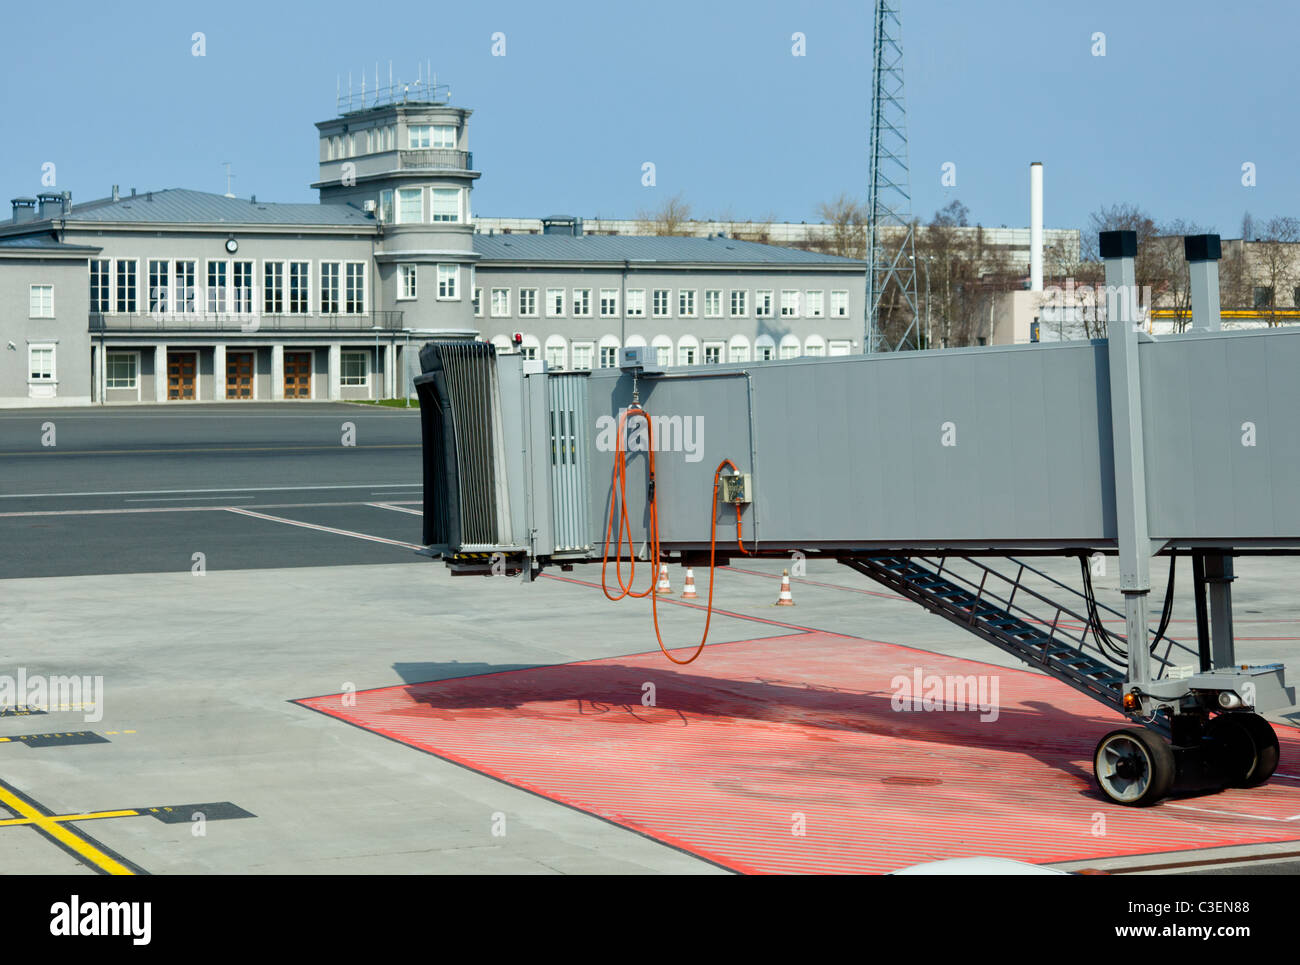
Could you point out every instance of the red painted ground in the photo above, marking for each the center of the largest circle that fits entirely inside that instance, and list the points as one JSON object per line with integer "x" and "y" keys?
{"x": 754, "y": 734}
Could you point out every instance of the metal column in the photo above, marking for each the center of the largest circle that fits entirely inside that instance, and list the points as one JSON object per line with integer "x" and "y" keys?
{"x": 1119, "y": 250}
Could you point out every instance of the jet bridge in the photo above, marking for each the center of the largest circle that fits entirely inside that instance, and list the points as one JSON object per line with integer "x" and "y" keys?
{"x": 912, "y": 468}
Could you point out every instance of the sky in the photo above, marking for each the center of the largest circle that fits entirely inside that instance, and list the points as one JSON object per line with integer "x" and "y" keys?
{"x": 711, "y": 93}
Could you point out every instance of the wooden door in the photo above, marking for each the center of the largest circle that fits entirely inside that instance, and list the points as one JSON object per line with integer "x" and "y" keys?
{"x": 239, "y": 375}
{"x": 182, "y": 374}
{"x": 297, "y": 375}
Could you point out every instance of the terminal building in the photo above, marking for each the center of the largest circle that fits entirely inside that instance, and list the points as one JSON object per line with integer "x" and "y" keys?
{"x": 181, "y": 295}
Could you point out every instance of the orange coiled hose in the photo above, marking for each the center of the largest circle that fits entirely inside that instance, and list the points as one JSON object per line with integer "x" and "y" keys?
{"x": 618, "y": 506}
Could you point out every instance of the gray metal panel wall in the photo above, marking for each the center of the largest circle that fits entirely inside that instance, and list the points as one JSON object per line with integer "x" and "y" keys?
{"x": 569, "y": 461}
{"x": 1198, "y": 390}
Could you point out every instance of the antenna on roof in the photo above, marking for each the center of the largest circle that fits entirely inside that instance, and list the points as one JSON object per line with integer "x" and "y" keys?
{"x": 229, "y": 177}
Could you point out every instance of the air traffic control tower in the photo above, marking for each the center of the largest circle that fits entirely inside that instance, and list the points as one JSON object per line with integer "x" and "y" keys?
{"x": 914, "y": 468}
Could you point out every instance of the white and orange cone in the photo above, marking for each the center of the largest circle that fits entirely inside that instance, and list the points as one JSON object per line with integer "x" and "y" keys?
{"x": 785, "y": 599}
{"x": 663, "y": 587}
{"x": 689, "y": 592}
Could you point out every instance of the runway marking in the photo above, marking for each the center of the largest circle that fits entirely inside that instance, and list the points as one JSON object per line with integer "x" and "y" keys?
{"x": 155, "y": 452}
{"x": 235, "y": 489}
{"x": 1234, "y": 814}
{"x": 397, "y": 509}
{"x": 123, "y": 510}
{"x": 56, "y": 739}
{"x": 323, "y": 529}
{"x": 81, "y": 846}
{"x": 176, "y": 499}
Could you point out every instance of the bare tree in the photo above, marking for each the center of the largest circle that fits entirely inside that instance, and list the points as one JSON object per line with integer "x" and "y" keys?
{"x": 669, "y": 218}
{"x": 846, "y": 220}
{"x": 1272, "y": 257}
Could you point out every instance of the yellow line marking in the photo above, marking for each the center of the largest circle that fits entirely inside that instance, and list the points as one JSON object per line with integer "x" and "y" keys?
{"x": 88, "y": 816}
{"x": 65, "y": 836}
{"x": 147, "y": 452}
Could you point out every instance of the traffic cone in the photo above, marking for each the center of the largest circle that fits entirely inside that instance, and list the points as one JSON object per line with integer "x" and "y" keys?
{"x": 689, "y": 592}
{"x": 663, "y": 588}
{"x": 785, "y": 599}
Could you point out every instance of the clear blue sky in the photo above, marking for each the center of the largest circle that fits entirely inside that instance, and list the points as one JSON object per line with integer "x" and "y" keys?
{"x": 708, "y": 91}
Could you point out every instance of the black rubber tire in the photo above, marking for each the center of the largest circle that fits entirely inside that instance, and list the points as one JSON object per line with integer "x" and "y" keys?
{"x": 1246, "y": 746}
{"x": 1134, "y": 767}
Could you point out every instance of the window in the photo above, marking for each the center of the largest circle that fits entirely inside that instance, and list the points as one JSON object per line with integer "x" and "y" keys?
{"x": 609, "y": 356}
{"x": 243, "y": 295}
{"x": 158, "y": 284}
{"x": 763, "y": 352}
{"x": 126, "y": 281}
{"x": 555, "y": 356}
{"x": 500, "y": 302}
{"x": 41, "y": 363}
{"x": 355, "y": 291}
{"x": 273, "y": 287}
{"x": 663, "y": 355}
{"x": 555, "y": 302}
{"x": 329, "y": 288}
{"x": 299, "y": 287}
{"x": 636, "y": 303}
{"x": 405, "y": 282}
{"x": 448, "y": 276}
{"x": 410, "y": 205}
{"x": 528, "y": 302}
{"x": 686, "y": 303}
{"x": 582, "y": 356}
{"x": 712, "y": 353}
{"x": 815, "y": 303}
{"x": 370, "y": 142}
{"x": 386, "y": 206}
{"x": 713, "y": 303}
{"x": 686, "y": 355}
{"x": 739, "y": 352}
{"x": 40, "y": 301}
{"x": 186, "y": 286}
{"x": 478, "y": 303}
{"x": 789, "y": 304}
{"x": 739, "y": 304}
{"x": 838, "y": 347}
{"x": 388, "y": 138}
{"x": 1263, "y": 296}
{"x": 446, "y": 204}
{"x": 444, "y": 136}
{"x": 609, "y": 303}
{"x": 763, "y": 304}
{"x": 122, "y": 370}
{"x": 814, "y": 348}
{"x": 218, "y": 275}
{"x": 99, "y": 285}
{"x": 419, "y": 136}
{"x": 528, "y": 352}
{"x": 839, "y": 304}
{"x": 337, "y": 150}
{"x": 660, "y": 305}
{"x": 581, "y": 302}
{"x": 354, "y": 368}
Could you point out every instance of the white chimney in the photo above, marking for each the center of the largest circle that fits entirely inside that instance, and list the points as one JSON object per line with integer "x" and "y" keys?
{"x": 1036, "y": 226}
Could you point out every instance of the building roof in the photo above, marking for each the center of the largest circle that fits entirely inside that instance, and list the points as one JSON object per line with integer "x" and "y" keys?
{"x": 182, "y": 206}
{"x": 42, "y": 243}
{"x": 639, "y": 249}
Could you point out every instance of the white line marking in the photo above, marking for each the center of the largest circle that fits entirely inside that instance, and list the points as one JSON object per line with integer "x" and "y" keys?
{"x": 174, "y": 499}
{"x": 323, "y": 529}
{"x": 1234, "y": 814}
{"x": 237, "y": 489}
{"x": 397, "y": 509}
{"x": 121, "y": 510}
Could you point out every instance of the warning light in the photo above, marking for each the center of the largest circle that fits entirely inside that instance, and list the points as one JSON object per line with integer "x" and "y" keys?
{"x": 1131, "y": 702}
{"x": 518, "y": 338}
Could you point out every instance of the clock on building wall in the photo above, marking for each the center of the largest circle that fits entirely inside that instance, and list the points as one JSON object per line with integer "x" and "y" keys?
{"x": 232, "y": 245}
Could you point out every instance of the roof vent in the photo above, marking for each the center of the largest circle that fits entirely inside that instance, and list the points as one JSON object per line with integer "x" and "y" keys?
{"x": 133, "y": 192}
{"x": 24, "y": 210}
{"x": 117, "y": 196}
{"x": 148, "y": 195}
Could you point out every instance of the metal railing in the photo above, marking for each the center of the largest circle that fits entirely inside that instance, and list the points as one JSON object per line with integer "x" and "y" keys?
{"x": 248, "y": 322}
{"x": 436, "y": 158}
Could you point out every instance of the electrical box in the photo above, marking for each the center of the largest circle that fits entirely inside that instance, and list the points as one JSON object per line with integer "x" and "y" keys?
{"x": 736, "y": 488}
{"x": 639, "y": 358}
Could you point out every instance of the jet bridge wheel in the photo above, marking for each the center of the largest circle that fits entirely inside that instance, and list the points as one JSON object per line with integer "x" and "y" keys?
{"x": 1247, "y": 748}
{"x": 1134, "y": 767}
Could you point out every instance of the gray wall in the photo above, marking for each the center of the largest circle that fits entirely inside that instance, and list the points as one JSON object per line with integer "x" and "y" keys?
{"x": 67, "y": 331}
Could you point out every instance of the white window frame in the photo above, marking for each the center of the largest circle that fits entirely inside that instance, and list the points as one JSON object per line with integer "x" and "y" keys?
{"x": 408, "y": 283}
{"x": 32, "y": 349}
{"x": 555, "y": 297}
{"x": 839, "y": 346}
{"x": 443, "y": 277}
{"x": 556, "y": 354}
{"x": 763, "y": 305}
{"x": 499, "y": 306}
{"x": 582, "y": 307}
{"x": 608, "y": 357}
{"x": 585, "y": 346}
{"x": 135, "y": 380}
{"x": 365, "y": 369}
{"x": 635, "y": 307}
{"x": 840, "y": 303}
{"x": 789, "y": 303}
{"x": 744, "y": 302}
{"x": 419, "y": 137}
{"x": 365, "y": 287}
{"x": 337, "y": 289}
{"x": 714, "y": 345}
{"x": 456, "y": 215}
{"x": 41, "y": 310}
{"x": 609, "y": 303}
{"x": 667, "y": 294}
{"x": 528, "y": 303}
{"x": 713, "y": 303}
{"x": 815, "y": 303}
{"x": 400, "y": 217}
{"x": 686, "y": 302}
{"x": 267, "y": 290}
{"x": 387, "y": 206}
{"x": 478, "y": 302}
{"x": 438, "y": 131}
{"x": 307, "y": 291}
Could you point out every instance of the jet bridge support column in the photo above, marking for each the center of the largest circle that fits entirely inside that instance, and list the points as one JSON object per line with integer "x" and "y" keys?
{"x": 1119, "y": 250}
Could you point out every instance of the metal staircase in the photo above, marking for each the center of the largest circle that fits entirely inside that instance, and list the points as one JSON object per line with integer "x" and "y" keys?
{"x": 976, "y": 602}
